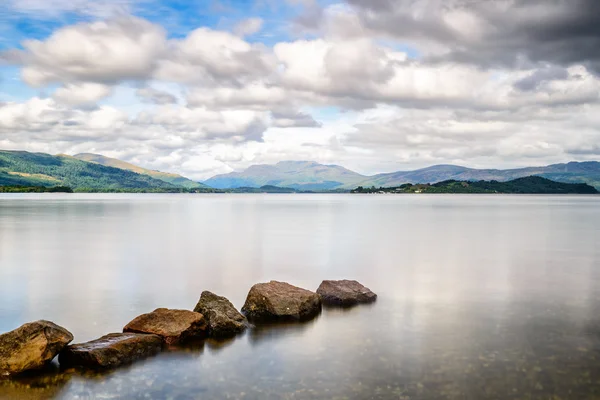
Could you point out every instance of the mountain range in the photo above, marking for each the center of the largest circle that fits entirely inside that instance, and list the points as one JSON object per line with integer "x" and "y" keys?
{"x": 94, "y": 172}
{"x": 308, "y": 175}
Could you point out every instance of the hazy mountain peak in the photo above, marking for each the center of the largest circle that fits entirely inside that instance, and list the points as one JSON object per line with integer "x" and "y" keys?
{"x": 302, "y": 175}
{"x": 292, "y": 163}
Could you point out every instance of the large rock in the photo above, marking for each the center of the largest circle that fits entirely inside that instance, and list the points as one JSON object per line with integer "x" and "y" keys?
{"x": 223, "y": 319}
{"x": 31, "y": 346}
{"x": 345, "y": 293}
{"x": 281, "y": 301}
{"x": 174, "y": 326}
{"x": 111, "y": 351}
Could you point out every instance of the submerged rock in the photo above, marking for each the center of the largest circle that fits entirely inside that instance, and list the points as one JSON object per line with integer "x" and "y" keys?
{"x": 31, "y": 346}
{"x": 111, "y": 351}
{"x": 223, "y": 318}
{"x": 345, "y": 293}
{"x": 174, "y": 326}
{"x": 281, "y": 301}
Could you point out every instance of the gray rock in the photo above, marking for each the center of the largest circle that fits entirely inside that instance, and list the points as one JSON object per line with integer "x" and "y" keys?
{"x": 31, "y": 346}
{"x": 223, "y": 318}
{"x": 281, "y": 301}
{"x": 174, "y": 326}
{"x": 345, "y": 293}
{"x": 111, "y": 351}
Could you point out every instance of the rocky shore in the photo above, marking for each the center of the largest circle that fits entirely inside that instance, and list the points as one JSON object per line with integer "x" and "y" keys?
{"x": 34, "y": 345}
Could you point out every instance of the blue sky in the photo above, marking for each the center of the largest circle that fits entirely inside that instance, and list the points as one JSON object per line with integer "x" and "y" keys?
{"x": 206, "y": 87}
{"x": 177, "y": 16}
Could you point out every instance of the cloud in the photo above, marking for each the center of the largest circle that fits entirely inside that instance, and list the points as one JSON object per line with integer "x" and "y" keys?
{"x": 155, "y": 96}
{"x": 212, "y": 57}
{"x": 47, "y": 119}
{"x": 77, "y": 94}
{"x": 425, "y": 137}
{"x": 292, "y": 118}
{"x": 248, "y": 26}
{"x": 540, "y": 76}
{"x": 360, "y": 73}
{"x": 100, "y": 52}
{"x": 199, "y": 124}
{"x": 501, "y": 33}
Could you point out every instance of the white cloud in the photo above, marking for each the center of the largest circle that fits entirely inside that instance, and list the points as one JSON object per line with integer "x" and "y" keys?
{"x": 212, "y": 57}
{"x": 102, "y": 52}
{"x": 81, "y": 93}
{"x": 253, "y": 96}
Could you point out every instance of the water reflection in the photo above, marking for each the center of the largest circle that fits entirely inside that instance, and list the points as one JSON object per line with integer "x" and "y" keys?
{"x": 480, "y": 297}
{"x": 261, "y": 332}
{"x": 44, "y": 384}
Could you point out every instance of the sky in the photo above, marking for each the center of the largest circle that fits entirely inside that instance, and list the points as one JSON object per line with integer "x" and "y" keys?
{"x": 202, "y": 87}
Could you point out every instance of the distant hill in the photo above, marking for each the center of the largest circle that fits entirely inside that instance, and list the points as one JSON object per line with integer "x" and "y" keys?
{"x": 39, "y": 169}
{"x": 263, "y": 189}
{"x": 93, "y": 172}
{"x": 299, "y": 175}
{"x": 573, "y": 172}
{"x": 307, "y": 175}
{"x": 527, "y": 185}
{"x": 174, "y": 179}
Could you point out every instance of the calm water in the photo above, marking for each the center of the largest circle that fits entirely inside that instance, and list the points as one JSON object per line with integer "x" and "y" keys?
{"x": 480, "y": 297}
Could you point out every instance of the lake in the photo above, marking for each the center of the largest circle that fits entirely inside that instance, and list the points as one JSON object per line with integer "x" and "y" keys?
{"x": 480, "y": 297}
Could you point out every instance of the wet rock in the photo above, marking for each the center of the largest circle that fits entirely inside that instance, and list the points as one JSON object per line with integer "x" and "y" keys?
{"x": 111, "y": 351}
{"x": 174, "y": 326}
{"x": 281, "y": 301}
{"x": 345, "y": 293}
{"x": 31, "y": 346}
{"x": 223, "y": 318}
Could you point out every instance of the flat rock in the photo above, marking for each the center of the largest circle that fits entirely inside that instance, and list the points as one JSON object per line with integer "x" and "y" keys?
{"x": 31, "y": 346}
{"x": 111, "y": 351}
{"x": 281, "y": 301}
{"x": 174, "y": 326}
{"x": 345, "y": 293}
{"x": 222, "y": 317}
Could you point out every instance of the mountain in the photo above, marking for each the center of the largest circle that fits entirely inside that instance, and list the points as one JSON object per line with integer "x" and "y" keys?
{"x": 573, "y": 172}
{"x": 306, "y": 175}
{"x": 39, "y": 169}
{"x": 263, "y": 189}
{"x": 174, "y": 179}
{"x": 299, "y": 175}
{"x": 527, "y": 185}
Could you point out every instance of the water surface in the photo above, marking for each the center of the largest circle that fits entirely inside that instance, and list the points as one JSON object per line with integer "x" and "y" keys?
{"x": 480, "y": 297}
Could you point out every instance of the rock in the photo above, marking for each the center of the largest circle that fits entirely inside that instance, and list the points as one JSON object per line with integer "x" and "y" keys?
{"x": 281, "y": 301}
{"x": 111, "y": 351}
{"x": 345, "y": 293}
{"x": 174, "y": 326}
{"x": 223, "y": 318}
{"x": 31, "y": 346}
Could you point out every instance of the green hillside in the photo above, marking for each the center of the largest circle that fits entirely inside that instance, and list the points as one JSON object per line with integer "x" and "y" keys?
{"x": 174, "y": 179}
{"x": 527, "y": 185}
{"x": 38, "y": 169}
